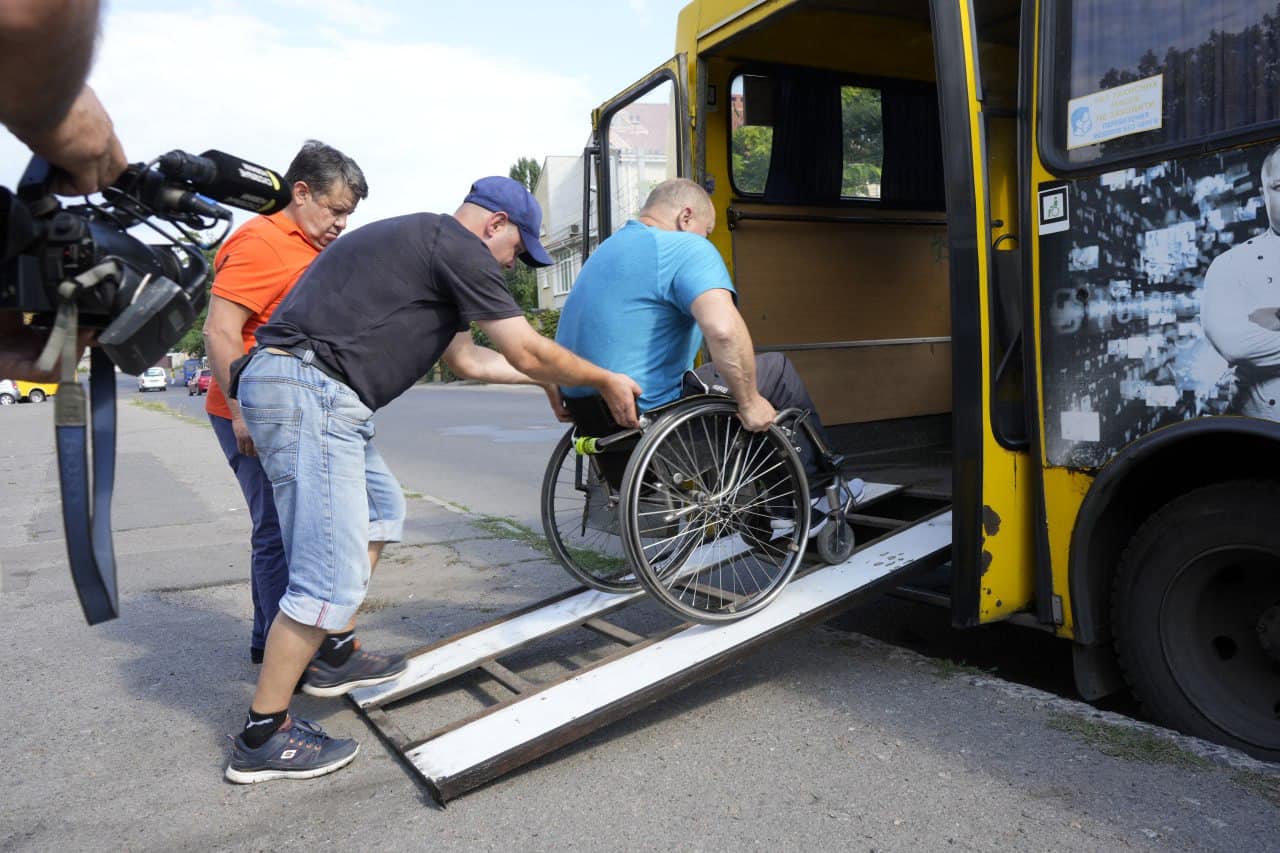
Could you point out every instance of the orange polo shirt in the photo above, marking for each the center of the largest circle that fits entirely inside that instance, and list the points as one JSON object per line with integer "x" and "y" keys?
{"x": 256, "y": 268}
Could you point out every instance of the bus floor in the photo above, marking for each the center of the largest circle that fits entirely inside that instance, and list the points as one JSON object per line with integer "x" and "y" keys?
{"x": 926, "y": 468}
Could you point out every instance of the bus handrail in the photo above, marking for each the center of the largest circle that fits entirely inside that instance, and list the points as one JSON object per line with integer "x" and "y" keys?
{"x": 736, "y": 215}
{"x": 882, "y": 342}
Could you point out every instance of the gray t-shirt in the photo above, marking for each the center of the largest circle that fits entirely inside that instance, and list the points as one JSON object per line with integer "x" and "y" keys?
{"x": 381, "y": 304}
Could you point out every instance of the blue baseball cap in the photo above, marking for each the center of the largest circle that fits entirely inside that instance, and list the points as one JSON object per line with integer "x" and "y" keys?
{"x": 504, "y": 195}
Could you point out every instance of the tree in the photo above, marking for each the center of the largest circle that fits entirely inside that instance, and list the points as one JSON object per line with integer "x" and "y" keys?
{"x": 192, "y": 343}
{"x": 523, "y": 281}
{"x": 863, "y": 140}
{"x": 526, "y": 171}
{"x": 752, "y": 148}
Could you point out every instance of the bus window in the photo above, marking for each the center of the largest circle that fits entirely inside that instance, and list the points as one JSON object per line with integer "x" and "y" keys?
{"x": 805, "y": 136}
{"x": 862, "y": 134}
{"x": 641, "y": 139}
{"x": 1140, "y": 76}
{"x": 751, "y": 117}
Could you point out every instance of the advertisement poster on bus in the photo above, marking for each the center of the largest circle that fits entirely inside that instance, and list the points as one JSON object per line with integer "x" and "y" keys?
{"x": 1160, "y": 300}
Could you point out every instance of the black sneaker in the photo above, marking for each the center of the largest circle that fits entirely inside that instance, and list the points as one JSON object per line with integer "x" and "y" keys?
{"x": 362, "y": 669}
{"x": 298, "y": 750}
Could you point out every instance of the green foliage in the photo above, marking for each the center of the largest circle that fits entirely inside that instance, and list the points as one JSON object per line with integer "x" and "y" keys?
{"x": 527, "y": 171}
{"x": 192, "y": 343}
{"x": 522, "y": 281}
{"x": 863, "y": 140}
{"x": 752, "y": 147}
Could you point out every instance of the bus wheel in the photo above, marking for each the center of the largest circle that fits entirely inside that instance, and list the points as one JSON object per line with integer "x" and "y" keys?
{"x": 1195, "y": 612}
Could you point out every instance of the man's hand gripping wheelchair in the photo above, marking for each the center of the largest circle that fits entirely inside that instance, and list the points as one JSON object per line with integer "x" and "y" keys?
{"x": 711, "y": 519}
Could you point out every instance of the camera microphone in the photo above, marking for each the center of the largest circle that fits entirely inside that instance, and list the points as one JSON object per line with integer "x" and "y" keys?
{"x": 229, "y": 180}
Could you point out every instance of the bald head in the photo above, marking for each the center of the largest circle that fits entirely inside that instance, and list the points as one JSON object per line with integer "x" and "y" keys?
{"x": 679, "y": 205}
{"x": 1271, "y": 188}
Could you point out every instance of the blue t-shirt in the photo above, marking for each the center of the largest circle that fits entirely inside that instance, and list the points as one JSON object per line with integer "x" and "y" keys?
{"x": 630, "y": 310}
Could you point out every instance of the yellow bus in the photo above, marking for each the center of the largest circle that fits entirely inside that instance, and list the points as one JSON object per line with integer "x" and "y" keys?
{"x": 1025, "y": 254}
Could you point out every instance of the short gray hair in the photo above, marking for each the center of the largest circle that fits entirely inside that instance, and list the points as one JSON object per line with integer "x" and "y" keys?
{"x": 322, "y": 166}
{"x": 678, "y": 193}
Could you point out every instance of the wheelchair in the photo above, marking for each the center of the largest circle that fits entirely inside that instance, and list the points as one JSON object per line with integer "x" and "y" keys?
{"x": 709, "y": 518}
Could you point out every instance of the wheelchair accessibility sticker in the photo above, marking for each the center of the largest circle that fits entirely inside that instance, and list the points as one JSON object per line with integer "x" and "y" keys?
{"x": 1054, "y": 216}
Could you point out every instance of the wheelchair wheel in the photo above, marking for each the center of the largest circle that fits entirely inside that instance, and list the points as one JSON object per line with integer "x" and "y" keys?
{"x": 835, "y": 542}
{"x": 580, "y": 519}
{"x": 715, "y": 518}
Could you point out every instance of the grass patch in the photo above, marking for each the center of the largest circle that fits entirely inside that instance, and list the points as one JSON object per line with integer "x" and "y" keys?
{"x": 162, "y": 408}
{"x": 947, "y": 668}
{"x": 509, "y": 528}
{"x": 1264, "y": 785}
{"x": 600, "y": 565}
{"x": 593, "y": 561}
{"x": 413, "y": 496}
{"x": 1129, "y": 744}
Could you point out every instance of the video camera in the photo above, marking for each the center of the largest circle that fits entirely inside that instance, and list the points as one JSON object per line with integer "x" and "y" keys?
{"x": 78, "y": 266}
{"x": 143, "y": 297}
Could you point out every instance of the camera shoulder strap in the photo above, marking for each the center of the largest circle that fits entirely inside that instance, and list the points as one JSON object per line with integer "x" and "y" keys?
{"x": 86, "y": 516}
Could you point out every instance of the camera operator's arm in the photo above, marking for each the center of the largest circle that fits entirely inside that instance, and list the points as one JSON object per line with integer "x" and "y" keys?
{"x": 224, "y": 343}
{"x": 45, "y": 50}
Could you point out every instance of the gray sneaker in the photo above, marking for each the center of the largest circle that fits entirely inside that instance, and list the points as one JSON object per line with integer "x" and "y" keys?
{"x": 298, "y": 750}
{"x": 362, "y": 669}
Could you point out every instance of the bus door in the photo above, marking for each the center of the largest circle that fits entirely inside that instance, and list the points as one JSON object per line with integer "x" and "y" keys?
{"x": 976, "y": 49}
{"x": 641, "y": 139}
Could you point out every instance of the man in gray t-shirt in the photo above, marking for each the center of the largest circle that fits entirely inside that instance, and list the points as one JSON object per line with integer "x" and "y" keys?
{"x": 369, "y": 317}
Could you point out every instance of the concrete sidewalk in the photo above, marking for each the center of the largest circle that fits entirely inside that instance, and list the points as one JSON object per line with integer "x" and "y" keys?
{"x": 116, "y": 734}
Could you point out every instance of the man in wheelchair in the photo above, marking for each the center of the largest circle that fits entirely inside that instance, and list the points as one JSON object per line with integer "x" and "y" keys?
{"x": 642, "y": 305}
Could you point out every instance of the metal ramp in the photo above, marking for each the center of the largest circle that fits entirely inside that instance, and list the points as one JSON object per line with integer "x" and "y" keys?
{"x": 902, "y": 532}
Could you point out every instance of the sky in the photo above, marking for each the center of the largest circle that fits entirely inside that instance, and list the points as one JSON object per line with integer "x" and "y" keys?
{"x": 426, "y": 96}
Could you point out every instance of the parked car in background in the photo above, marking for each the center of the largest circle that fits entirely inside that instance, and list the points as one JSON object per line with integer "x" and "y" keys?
{"x": 153, "y": 379}
{"x": 35, "y": 392}
{"x": 199, "y": 384}
{"x": 8, "y": 393}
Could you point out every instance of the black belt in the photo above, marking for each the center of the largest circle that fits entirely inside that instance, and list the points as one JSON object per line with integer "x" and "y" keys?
{"x": 308, "y": 356}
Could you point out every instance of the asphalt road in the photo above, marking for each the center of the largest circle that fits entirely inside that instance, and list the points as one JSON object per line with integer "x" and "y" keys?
{"x": 480, "y": 447}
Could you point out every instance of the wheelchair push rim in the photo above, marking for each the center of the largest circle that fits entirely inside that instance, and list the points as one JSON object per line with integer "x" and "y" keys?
{"x": 576, "y": 517}
{"x": 715, "y": 518}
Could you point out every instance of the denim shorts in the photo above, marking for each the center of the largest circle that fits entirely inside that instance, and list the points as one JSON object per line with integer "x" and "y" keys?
{"x": 333, "y": 491}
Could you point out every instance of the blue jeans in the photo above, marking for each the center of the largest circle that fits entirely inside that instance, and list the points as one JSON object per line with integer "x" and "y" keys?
{"x": 268, "y": 573}
{"x": 333, "y": 491}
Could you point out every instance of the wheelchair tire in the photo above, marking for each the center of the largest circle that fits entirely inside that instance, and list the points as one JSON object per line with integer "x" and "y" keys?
{"x": 835, "y": 542}
{"x": 715, "y": 518}
{"x": 576, "y": 518}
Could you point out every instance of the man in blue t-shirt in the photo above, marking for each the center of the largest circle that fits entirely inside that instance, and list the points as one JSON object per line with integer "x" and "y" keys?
{"x": 647, "y": 297}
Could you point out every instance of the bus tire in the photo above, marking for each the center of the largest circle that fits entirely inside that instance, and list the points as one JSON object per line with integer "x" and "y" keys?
{"x": 1195, "y": 615}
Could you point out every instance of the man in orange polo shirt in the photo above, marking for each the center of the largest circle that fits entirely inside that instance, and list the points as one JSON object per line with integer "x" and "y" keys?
{"x": 254, "y": 270}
